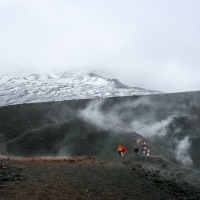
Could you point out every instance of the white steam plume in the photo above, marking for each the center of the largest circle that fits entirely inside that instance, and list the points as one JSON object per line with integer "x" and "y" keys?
{"x": 106, "y": 121}
{"x": 142, "y": 117}
{"x": 152, "y": 129}
{"x": 181, "y": 152}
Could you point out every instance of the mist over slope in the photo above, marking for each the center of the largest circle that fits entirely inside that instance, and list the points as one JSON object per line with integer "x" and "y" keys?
{"x": 96, "y": 127}
{"x": 66, "y": 86}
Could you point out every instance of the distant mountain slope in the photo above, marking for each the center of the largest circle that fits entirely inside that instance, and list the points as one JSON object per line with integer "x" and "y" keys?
{"x": 170, "y": 122}
{"x": 57, "y": 87}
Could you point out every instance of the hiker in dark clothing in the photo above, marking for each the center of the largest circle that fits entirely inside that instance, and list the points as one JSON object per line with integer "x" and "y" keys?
{"x": 136, "y": 151}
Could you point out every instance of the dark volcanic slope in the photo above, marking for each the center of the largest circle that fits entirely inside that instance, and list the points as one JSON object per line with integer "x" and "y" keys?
{"x": 91, "y": 127}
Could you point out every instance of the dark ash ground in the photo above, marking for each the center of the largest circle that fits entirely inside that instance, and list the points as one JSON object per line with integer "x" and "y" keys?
{"x": 95, "y": 178}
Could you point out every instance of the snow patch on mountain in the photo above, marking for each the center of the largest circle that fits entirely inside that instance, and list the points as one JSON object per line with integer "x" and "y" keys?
{"x": 33, "y": 88}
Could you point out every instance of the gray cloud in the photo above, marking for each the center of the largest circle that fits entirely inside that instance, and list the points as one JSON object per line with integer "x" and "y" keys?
{"x": 150, "y": 44}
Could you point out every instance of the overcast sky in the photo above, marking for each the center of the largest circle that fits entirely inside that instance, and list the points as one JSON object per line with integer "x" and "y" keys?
{"x": 152, "y": 44}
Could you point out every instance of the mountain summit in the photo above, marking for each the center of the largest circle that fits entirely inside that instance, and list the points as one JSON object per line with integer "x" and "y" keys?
{"x": 66, "y": 86}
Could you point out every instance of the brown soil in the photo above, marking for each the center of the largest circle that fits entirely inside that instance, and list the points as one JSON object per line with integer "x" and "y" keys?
{"x": 92, "y": 178}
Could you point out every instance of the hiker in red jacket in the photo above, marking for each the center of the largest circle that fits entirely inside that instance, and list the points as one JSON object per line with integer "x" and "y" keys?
{"x": 124, "y": 150}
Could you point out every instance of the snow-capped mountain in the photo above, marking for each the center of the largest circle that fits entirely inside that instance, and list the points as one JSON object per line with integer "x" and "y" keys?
{"x": 56, "y": 87}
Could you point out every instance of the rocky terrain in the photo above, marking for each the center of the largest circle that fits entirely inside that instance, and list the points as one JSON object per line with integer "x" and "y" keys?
{"x": 112, "y": 177}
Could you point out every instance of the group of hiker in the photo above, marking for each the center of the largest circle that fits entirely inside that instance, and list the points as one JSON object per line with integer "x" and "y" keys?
{"x": 144, "y": 148}
{"x": 121, "y": 150}
{"x": 138, "y": 143}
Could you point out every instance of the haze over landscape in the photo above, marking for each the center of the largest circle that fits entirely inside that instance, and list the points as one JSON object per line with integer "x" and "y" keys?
{"x": 148, "y": 44}
{"x": 79, "y": 79}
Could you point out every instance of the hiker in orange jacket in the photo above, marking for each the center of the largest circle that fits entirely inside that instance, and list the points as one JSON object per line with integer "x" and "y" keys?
{"x": 119, "y": 149}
